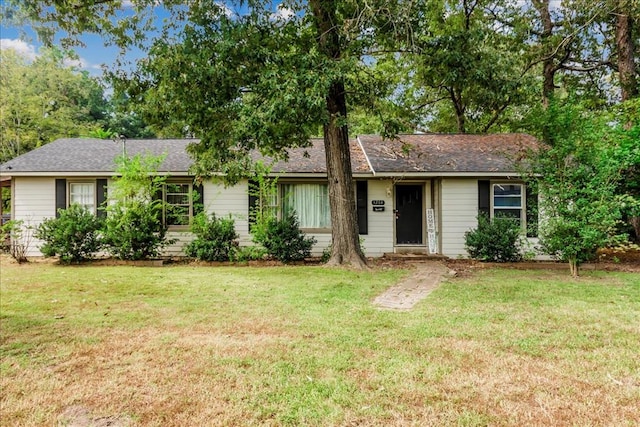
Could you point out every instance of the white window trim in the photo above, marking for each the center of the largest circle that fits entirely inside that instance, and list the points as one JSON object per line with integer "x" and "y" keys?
{"x": 165, "y": 203}
{"x": 523, "y": 201}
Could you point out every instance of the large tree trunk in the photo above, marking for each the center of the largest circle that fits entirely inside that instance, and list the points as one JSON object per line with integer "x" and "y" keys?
{"x": 548, "y": 66}
{"x": 627, "y": 71}
{"x": 345, "y": 246}
{"x": 625, "y": 48}
{"x": 459, "y": 107}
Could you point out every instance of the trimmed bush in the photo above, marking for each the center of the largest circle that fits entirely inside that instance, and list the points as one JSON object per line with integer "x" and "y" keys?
{"x": 133, "y": 230}
{"x": 215, "y": 238}
{"x": 283, "y": 238}
{"x": 74, "y": 236}
{"x": 494, "y": 240}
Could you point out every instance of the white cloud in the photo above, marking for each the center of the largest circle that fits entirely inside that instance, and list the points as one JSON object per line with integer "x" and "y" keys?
{"x": 283, "y": 13}
{"x": 225, "y": 9}
{"x": 29, "y": 52}
{"x": 76, "y": 63}
{"x": 23, "y": 48}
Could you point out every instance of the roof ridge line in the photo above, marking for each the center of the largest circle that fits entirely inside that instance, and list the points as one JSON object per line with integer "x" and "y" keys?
{"x": 366, "y": 156}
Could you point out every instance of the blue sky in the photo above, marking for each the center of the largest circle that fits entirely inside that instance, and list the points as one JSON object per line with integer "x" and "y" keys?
{"x": 91, "y": 58}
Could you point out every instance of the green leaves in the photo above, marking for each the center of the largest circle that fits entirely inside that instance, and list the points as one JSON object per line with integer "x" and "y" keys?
{"x": 494, "y": 240}
{"x": 579, "y": 178}
{"x": 216, "y": 238}
{"x": 133, "y": 227}
{"x": 43, "y": 100}
{"x": 74, "y": 236}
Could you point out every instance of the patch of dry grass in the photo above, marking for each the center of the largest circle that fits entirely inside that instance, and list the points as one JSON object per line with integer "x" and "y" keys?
{"x": 177, "y": 346}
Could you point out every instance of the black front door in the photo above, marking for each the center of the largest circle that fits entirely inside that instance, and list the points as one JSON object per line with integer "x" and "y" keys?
{"x": 409, "y": 214}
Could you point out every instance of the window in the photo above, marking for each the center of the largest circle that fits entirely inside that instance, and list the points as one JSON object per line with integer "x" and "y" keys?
{"x": 310, "y": 202}
{"x": 90, "y": 194}
{"x": 508, "y": 201}
{"x": 83, "y": 194}
{"x": 178, "y": 206}
{"x": 515, "y": 201}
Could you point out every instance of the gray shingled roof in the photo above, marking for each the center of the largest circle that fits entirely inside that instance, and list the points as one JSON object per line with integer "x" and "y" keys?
{"x": 447, "y": 152}
{"x": 312, "y": 159}
{"x": 423, "y": 153}
{"x": 98, "y": 155}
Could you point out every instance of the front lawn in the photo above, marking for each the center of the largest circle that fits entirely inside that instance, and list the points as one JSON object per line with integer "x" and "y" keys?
{"x": 187, "y": 346}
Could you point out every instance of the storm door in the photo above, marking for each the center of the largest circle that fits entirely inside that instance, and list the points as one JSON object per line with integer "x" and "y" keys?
{"x": 408, "y": 212}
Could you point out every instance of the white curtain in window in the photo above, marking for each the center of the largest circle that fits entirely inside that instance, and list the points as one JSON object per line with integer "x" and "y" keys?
{"x": 310, "y": 202}
{"x": 82, "y": 194}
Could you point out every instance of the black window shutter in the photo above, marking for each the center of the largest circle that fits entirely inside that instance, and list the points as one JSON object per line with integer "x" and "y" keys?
{"x": 159, "y": 196}
{"x": 101, "y": 197}
{"x": 253, "y": 201}
{"x": 61, "y": 195}
{"x": 532, "y": 212}
{"x": 198, "y": 205}
{"x": 361, "y": 206}
{"x": 484, "y": 196}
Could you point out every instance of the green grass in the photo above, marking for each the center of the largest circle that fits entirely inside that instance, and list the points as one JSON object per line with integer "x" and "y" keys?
{"x": 185, "y": 345}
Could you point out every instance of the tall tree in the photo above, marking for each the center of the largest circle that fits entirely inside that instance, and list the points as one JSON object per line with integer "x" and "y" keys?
{"x": 580, "y": 175}
{"x": 580, "y": 42}
{"x": 463, "y": 65}
{"x": 625, "y": 22}
{"x": 44, "y": 99}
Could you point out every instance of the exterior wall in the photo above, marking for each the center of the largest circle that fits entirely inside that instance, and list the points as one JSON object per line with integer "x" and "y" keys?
{"x": 459, "y": 211}
{"x": 34, "y": 199}
{"x": 234, "y": 201}
{"x": 379, "y": 240}
{"x": 224, "y": 202}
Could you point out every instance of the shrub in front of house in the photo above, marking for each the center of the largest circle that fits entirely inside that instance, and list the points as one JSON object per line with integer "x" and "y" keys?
{"x": 283, "y": 239}
{"x": 216, "y": 238}
{"x": 249, "y": 253}
{"x": 134, "y": 231}
{"x": 495, "y": 240}
{"x": 74, "y": 236}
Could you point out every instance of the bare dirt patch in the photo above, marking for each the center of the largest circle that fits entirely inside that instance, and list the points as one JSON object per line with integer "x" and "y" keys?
{"x": 80, "y": 416}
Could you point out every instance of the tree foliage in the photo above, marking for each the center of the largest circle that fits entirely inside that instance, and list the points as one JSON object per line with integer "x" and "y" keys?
{"x": 464, "y": 68}
{"x": 44, "y": 100}
{"x": 579, "y": 176}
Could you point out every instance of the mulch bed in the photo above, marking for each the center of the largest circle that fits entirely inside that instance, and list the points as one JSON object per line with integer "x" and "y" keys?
{"x": 608, "y": 260}
{"x": 627, "y": 260}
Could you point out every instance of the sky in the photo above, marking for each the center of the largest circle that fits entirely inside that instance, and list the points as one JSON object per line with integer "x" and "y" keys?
{"x": 91, "y": 57}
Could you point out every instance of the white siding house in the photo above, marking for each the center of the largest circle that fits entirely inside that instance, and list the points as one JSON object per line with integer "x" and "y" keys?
{"x": 400, "y": 184}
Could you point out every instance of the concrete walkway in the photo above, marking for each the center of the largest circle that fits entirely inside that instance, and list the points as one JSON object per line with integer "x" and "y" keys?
{"x": 414, "y": 288}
